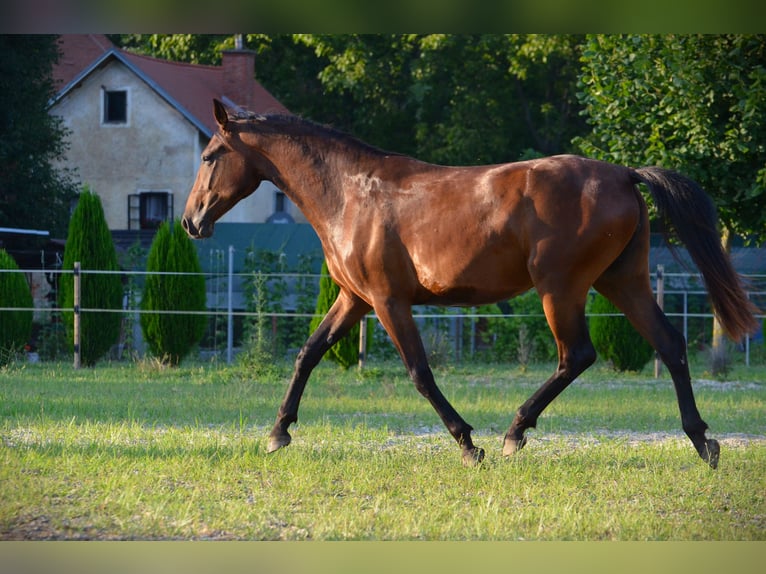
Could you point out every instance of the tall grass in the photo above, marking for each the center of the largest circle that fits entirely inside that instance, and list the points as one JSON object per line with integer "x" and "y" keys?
{"x": 142, "y": 452}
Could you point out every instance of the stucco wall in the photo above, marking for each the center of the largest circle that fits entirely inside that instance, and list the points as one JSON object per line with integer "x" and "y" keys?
{"x": 156, "y": 150}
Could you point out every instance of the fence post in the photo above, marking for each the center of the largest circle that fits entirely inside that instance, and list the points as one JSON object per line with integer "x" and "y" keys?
{"x": 76, "y": 314}
{"x": 230, "y": 307}
{"x": 661, "y": 303}
{"x": 362, "y": 341}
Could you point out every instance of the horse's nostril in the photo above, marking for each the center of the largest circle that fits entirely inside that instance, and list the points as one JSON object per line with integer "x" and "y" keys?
{"x": 188, "y": 226}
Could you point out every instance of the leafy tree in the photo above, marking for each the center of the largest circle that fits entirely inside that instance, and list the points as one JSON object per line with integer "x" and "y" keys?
{"x": 614, "y": 337}
{"x": 33, "y": 193}
{"x": 90, "y": 242}
{"x": 694, "y": 103}
{"x": 346, "y": 351}
{"x": 15, "y": 326}
{"x": 172, "y": 336}
{"x": 457, "y": 99}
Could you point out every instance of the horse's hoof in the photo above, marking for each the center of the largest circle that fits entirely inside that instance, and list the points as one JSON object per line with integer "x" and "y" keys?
{"x": 278, "y": 441}
{"x": 711, "y": 452}
{"x": 511, "y": 445}
{"x": 473, "y": 456}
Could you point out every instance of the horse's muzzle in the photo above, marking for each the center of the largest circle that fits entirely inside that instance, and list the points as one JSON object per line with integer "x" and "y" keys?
{"x": 196, "y": 232}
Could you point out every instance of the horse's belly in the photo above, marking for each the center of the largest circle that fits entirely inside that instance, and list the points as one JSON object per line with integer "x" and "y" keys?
{"x": 480, "y": 283}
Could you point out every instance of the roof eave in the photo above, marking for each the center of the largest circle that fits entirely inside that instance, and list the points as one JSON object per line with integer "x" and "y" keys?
{"x": 116, "y": 53}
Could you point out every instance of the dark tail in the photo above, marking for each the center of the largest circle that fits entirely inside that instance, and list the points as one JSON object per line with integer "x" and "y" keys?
{"x": 692, "y": 215}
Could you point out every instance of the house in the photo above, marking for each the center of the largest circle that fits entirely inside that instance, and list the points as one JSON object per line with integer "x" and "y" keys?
{"x": 138, "y": 126}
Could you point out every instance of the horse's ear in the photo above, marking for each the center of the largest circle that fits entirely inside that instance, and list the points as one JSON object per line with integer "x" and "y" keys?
{"x": 220, "y": 113}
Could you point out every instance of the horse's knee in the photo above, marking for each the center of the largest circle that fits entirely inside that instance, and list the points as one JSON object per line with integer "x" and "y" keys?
{"x": 423, "y": 379}
{"x": 576, "y": 359}
{"x": 673, "y": 348}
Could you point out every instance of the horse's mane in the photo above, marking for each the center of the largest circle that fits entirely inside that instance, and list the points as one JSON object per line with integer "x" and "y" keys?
{"x": 301, "y": 127}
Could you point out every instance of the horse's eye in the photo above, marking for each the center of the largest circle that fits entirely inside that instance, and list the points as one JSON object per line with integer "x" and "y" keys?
{"x": 207, "y": 158}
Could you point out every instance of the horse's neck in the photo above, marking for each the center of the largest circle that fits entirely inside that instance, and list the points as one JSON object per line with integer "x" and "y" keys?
{"x": 311, "y": 182}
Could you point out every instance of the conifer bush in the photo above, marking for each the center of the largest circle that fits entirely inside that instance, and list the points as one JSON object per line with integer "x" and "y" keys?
{"x": 15, "y": 326}
{"x": 171, "y": 337}
{"x": 346, "y": 351}
{"x": 89, "y": 241}
{"x": 614, "y": 337}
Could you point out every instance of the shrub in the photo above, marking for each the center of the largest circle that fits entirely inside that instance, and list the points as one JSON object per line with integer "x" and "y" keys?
{"x": 614, "y": 337}
{"x": 171, "y": 337}
{"x": 90, "y": 242}
{"x": 15, "y": 326}
{"x": 526, "y": 338}
{"x": 346, "y": 351}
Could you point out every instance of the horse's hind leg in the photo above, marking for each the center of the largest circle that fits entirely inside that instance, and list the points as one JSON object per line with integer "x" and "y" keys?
{"x": 398, "y": 322}
{"x": 566, "y": 318}
{"x": 634, "y": 298}
{"x": 344, "y": 314}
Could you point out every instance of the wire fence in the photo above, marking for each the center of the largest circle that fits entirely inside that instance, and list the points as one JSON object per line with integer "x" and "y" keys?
{"x": 462, "y": 333}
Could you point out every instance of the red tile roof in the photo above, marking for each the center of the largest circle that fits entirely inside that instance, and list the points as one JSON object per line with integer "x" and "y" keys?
{"x": 188, "y": 87}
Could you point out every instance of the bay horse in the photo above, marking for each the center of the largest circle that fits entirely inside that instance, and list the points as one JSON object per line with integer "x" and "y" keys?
{"x": 398, "y": 232}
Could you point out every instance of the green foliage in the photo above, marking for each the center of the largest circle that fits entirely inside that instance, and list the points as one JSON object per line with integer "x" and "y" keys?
{"x": 346, "y": 351}
{"x": 694, "y": 103}
{"x": 456, "y": 99}
{"x": 468, "y": 98}
{"x": 90, "y": 242}
{"x": 33, "y": 194}
{"x": 614, "y": 337}
{"x": 276, "y": 287}
{"x": 171, "y": 337}
{"x": 525, "y": 339}
{"x": 15, "y": 326}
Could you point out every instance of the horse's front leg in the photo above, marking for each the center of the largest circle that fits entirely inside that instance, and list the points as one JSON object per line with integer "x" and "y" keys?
{"x": 398, "y": 322}
{"x": 344, "y": 314}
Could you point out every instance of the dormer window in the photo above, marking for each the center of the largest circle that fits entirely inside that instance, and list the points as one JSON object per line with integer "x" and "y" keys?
{"x": 115, "y": 107}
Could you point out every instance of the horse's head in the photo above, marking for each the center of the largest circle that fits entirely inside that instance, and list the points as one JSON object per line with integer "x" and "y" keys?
{"x": 225, "y": 177}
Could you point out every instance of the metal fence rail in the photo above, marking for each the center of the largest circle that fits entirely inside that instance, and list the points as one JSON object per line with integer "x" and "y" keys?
{"x": 225, "y": 300}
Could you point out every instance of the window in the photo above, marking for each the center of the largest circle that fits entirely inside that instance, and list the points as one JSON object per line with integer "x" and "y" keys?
{"x": 115, "y": 106}
{"x": 279, "y": 204}
{"x": 154, "y": 207}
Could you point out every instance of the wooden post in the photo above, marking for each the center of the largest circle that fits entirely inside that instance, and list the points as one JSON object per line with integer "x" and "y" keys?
{"x": 76, "y": 314}
{"x": 362, "y": 341}
{"x": 230, "y": 309}
{"x": 661, "y": 304}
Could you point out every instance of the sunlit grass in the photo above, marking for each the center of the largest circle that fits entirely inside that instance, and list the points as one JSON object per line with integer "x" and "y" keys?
{"x": 120, "y": 452}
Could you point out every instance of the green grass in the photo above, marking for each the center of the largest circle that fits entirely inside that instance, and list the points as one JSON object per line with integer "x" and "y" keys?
{"x": 136, "y": 452}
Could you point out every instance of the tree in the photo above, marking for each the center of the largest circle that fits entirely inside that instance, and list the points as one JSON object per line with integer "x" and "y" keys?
{"x": 171, "y": 336}
{"x": 693, "y": 103}
{"x": 15, "y": 325}
{"x": 455, "y": 99}
{"x": 90, "y": 242}
{"x": 33, "y": 193}
{"x": 346, "y": 351}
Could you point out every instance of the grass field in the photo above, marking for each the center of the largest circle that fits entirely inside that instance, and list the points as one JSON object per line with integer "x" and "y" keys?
{"x": 137, "y": 452}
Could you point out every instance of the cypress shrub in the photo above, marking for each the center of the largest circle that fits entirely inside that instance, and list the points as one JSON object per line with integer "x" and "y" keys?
{"x": 15, "y": 326}
{"x": 90, "y": 242}
{"x": 346, "y": 351}
{"x": 615, "y": 339}
{"x": 171, "y": 337}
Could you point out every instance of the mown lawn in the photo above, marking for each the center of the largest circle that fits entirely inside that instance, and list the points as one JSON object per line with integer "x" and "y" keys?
{"x": 134, "y": 452}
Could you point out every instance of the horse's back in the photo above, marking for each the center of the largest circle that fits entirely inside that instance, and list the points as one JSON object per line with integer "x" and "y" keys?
{"x": 478, "y": 234}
